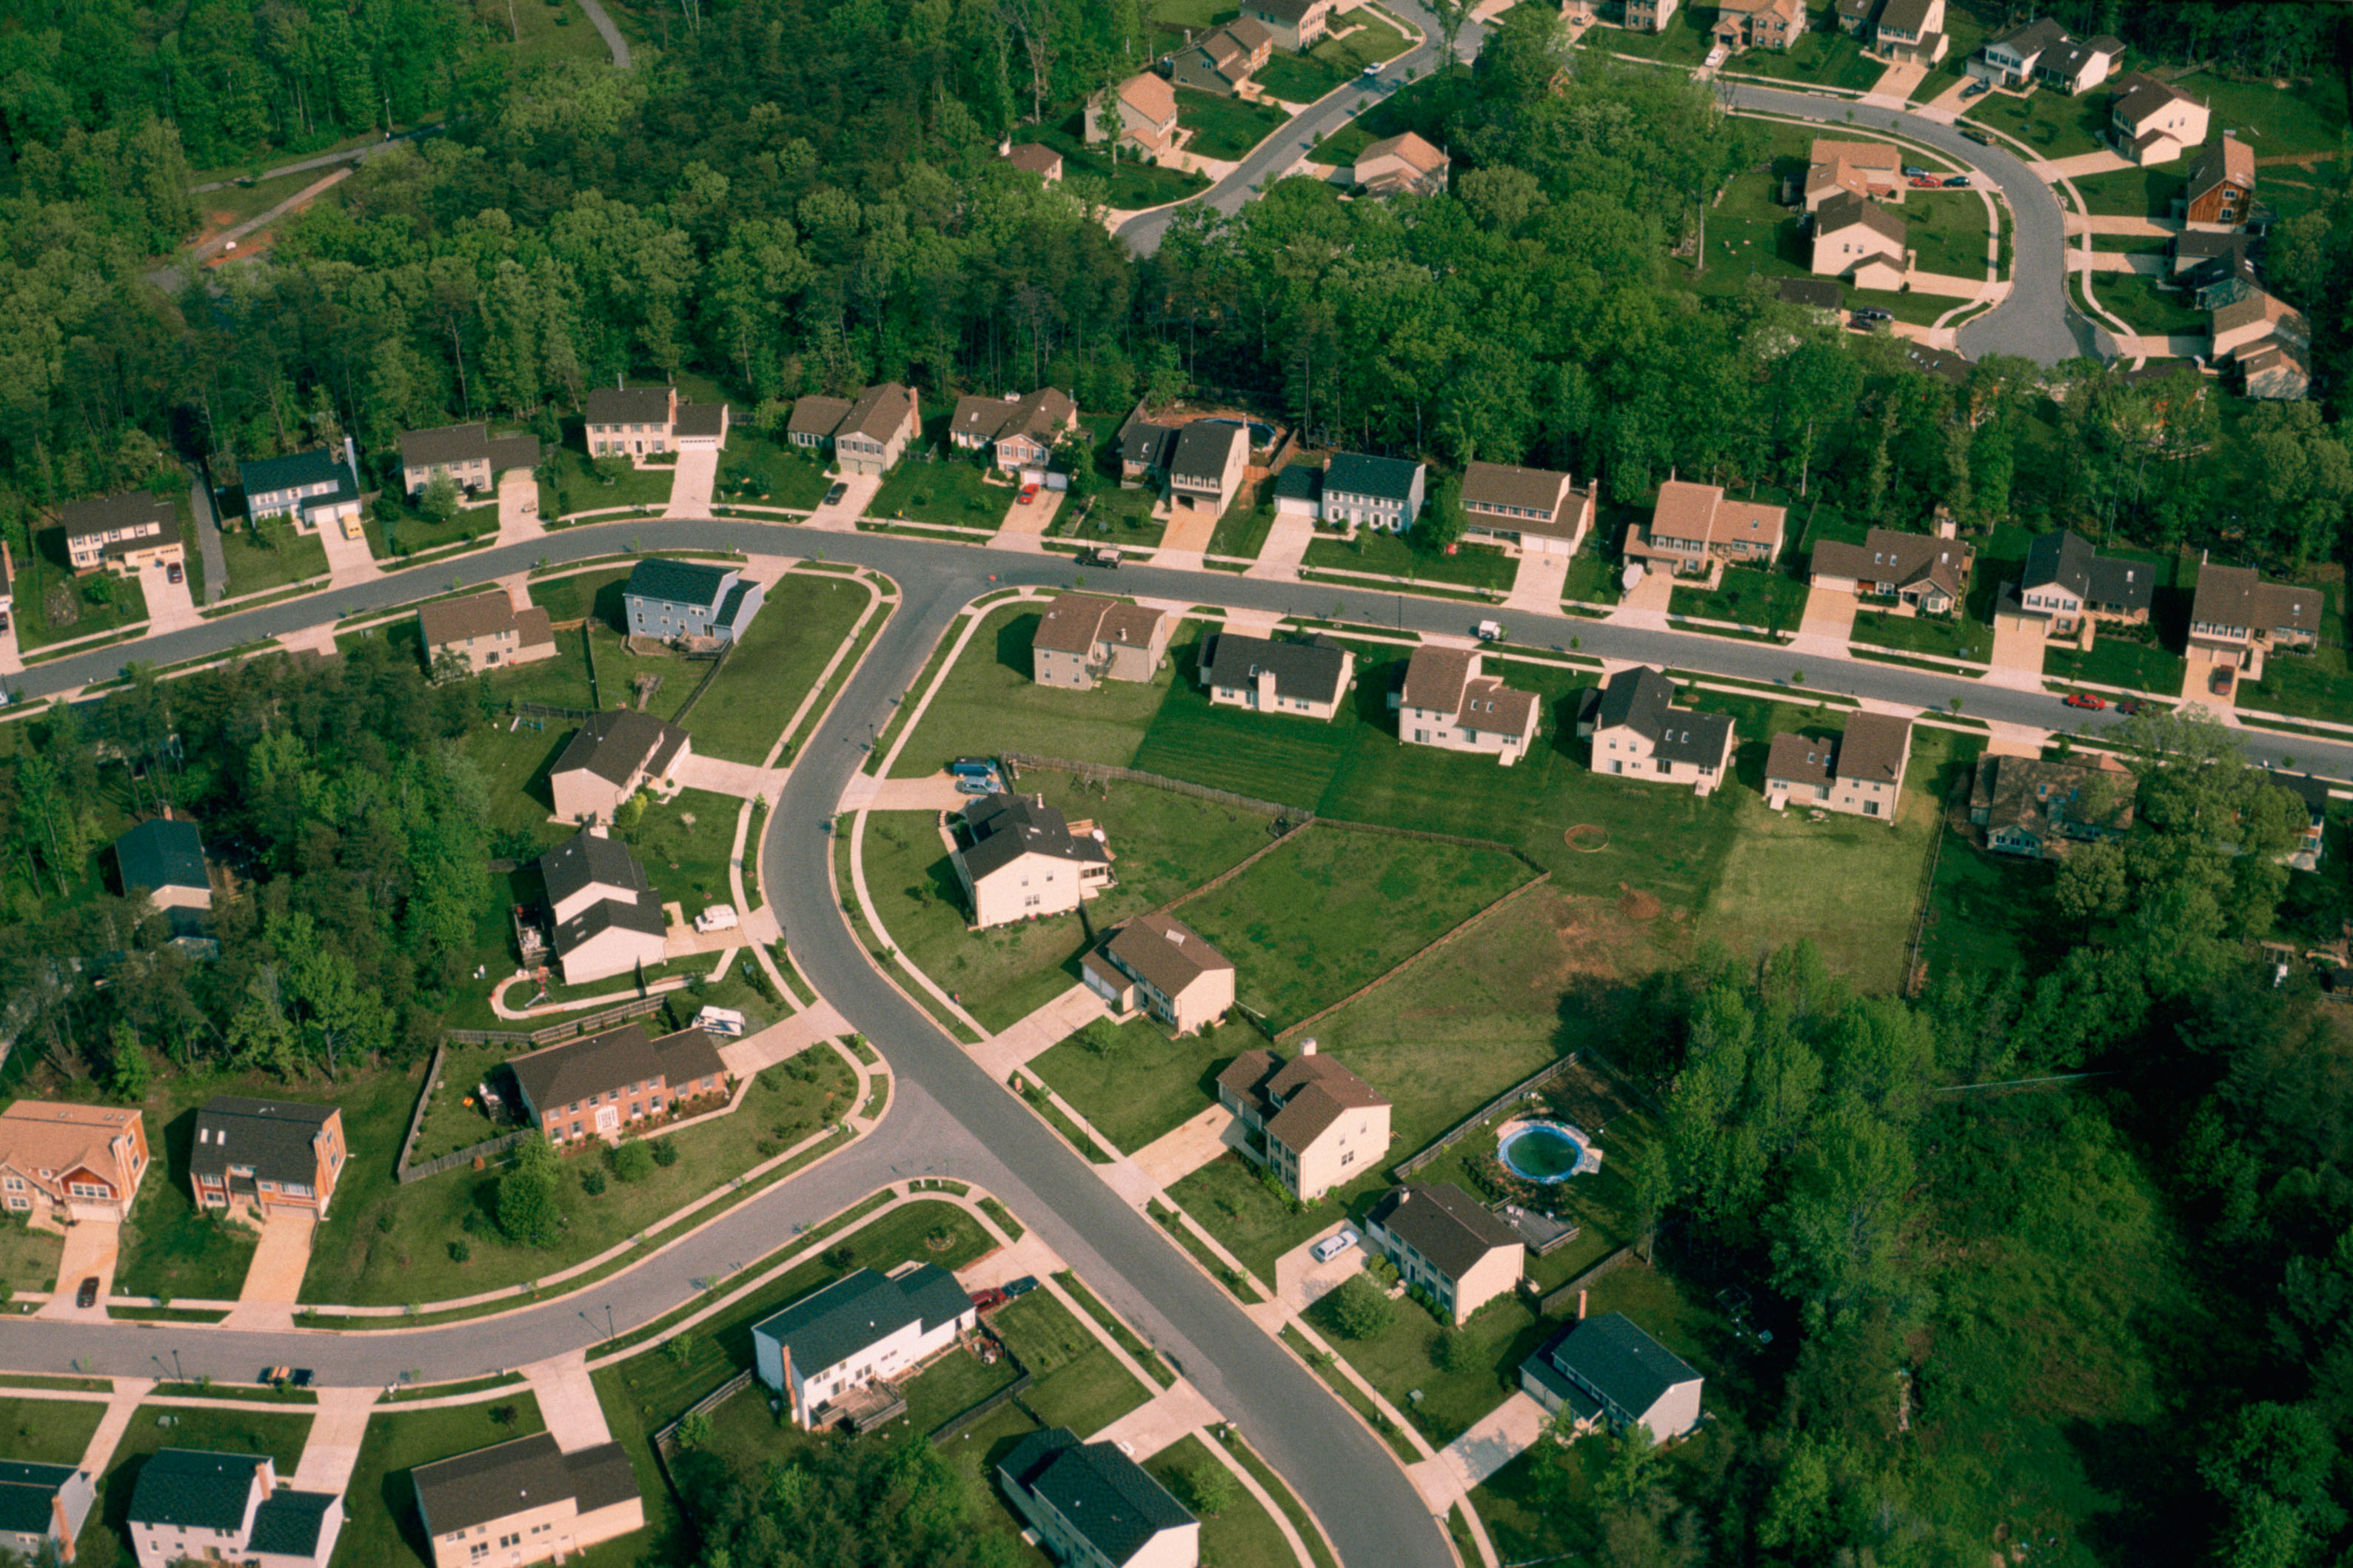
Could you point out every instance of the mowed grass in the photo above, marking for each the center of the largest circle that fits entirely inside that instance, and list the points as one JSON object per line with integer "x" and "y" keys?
{"x": 807, "y": 617}
{"x": 106, "y": 1539}
{"x": 2054, "y": 124}
{"x": 49, "y": 1431}
{"x": 1242, "y": 1533}
{"x": 382, "y": 1527}
{"x": 1149, "y": 1082}
{"x": 1079, "y": 1384}
{"x": 989, "y": 705}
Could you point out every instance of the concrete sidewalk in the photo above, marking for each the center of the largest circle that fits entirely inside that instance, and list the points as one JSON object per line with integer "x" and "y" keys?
{"x": 128, "y": 1394}
{"x": 1041, "y": 1031}
{"x": 567, "y": 1401}
{"x": 781, "y": 1042}
{"x": 333, "y": 1446}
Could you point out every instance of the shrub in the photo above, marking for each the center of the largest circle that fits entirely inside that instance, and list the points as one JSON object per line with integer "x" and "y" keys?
{"x": 461, "y": 1251}
{"x": 632, "y": 1161}
{"x": 665, "y": 1153}
{"x": 1446, "y": 1352}
{"x": 591, "y": 1182}
{"x": 841, "y": 1256}
{"x": 1359, "y": 1309}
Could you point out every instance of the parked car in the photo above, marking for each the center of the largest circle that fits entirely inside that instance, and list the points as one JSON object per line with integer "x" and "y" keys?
{"x": 2130, "y": 709}
{"x": 1866, "y": 314}
{"x": 1957, "y": 182}
{"x": 2223, "y": 678}
{"x": 1976, "y": 86}
{"x": 1028, "y": 493}
{"x": 1103, "y": 556}
{"x": 1927, "y": 182}
{"x": 987, "y": 1301}
{"x": 1980, "y": 137}
{"x": 1490, "y": 631}
{"x": 975, "y": 776}
{"x": 87, "y": 1295}
{"x": 1913, "y": 172}
{"x": 833, "y": 496}
{"x": 1016, "y": 1289}
{"x": 1330, "y": 1247}
{"x": 2084, "y": 700}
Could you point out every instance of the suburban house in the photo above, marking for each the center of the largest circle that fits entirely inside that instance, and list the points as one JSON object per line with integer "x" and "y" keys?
{"x": 61, "y": 1162}
{"x": 1205, "y": 470}
{"x": 123, "y": 534}
{"x": 863, "y": 1329}
{"x": 2066, "y": 588}
{"x": 1442, "y": 1240}
{"x": 1858, "y": 241}
{"x": 307, "y": 488}
{"x": 2009, "y": 60}
{"x": 2151, "y": 122}
{"x": 606, "y": 917}
{"x": 2272, "y": 369}
{"x": 485, "y": 630}
{"x": 1306, "y": 678}
{"x": 1638, "y": 733}
{"x": 1143, "y": 449}
{"x": 1035, "y": 158}
{"x": 1537, "y": 509}
{"x": 1448, "y": 703}
{"x": 580, "y": 1088}
{"x": 878, "y": 429}
{"x": 41, "y": 1510}
{"x": 636, "y": 422}
{"x": 268, "y": 1152}
{"x": 1296, "y": 25}
{"x": 614, "y": 755}
{"x": 1086, "y": 638}
{"x": 1159, "y": 966}
{"x": 2312, "y": 796}
{"x": 1859, "y": 774}
{"x": 1820, "y": 297}
{"x": 690, "y": 601}
{"x": 1924, "y": 574}
{"x": 2237, "y": 619}
{"x": 1018, "y": 433}
{"x": 1912, "y": 32}
{"x": 1321, "y": 1125}
{"x": 2267, "y": 341}
{"x": 1093, "y": 1506}
{"x": 191, "y": 1506}
{"x": 525, "y": 1502}
{"x": 813, "y": 420}
{"x": 1694, "y": 526}
{"x": 1854, "y": 17}
{"x": 1222, "y": 60}
{"x": 1025, "y": 860}
{"x": 1372, "y": 492}
{"x": 1870, "y": 170}
{"x": 1650, "y": 16}
{"x": 1760, "y": 24}
{"x": 467, "y": 453}
{"x": 2221, "y": 189}
{"x": 1298, "y": 491}
{"x": 2075, "y": 66}
{"x": 1145, "y": 120}
{"x": 1609, "y": 1374}
{"x": 165, "y": 855}
{"x": 2036, "y": 809}
{"x": 2218, "y": 265}
{"x": 1403, "y": 164}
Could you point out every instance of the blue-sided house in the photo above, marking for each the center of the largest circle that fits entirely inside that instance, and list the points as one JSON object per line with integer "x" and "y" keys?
{"x": 689, "y": 599}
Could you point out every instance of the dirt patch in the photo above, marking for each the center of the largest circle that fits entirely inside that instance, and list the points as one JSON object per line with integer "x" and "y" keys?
{"x": 1587, "y": 838}
{"x": 1637, "y": 904}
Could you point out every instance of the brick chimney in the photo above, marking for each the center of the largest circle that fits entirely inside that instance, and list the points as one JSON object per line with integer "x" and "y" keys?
{"x": 1580, "y": 1306}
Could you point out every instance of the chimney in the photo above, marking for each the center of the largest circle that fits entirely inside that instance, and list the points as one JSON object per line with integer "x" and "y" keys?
{"x": 1580, "y": 1306}
{"x": 1307, "y": 1047}
{"x": 1005, "y": 148}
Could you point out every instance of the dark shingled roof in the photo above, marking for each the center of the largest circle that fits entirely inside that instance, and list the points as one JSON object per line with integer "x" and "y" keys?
{"x": 618, "y": 1058}
{"x": 2035, "y": 36}
{"x": 627, "y": 405}
{"x": 817, "y": 414}
{"x": 27, "y": 1492}
{"x": 288, "y": 1524}
{"x": 1444, "y": 1224}
{"x": 2066, "y": 558}
{"x": 492, "y": 1483}
{"x": 1352, "y": 473}
{"x": 702, "y": 419}
{"x": 201, "y": 1491}
{"x": 320, "y": 466}
{"x": 132, "y": 509}
{"x": 1202, "y": 449}
{"x": 1006, "y": 827}
{"x": 276, "y": 1137}
{"x": 1312, "y": 670}
{"x": 1300, "y": 481}
{"x": 1612, "y": 1355}
{"x": 678, "y": 582}
{"x": 1874, "y": 748}
{"x": 159, "y": 854}
{"x": 642, "y": 914}
{"x": 588, "y": 859}
{"x": 1145, "y": 445}
{"x": 1845, "y": 209}
{"x": 1801, "y": 759}
{"x": 1107, "y": 1496}
{"x": 617, "y": 742}
{"x": 835, "y": 1322}
{"x": 1642, "y": 699}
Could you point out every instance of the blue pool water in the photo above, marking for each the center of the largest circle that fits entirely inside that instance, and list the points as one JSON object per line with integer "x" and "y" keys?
{"x": 1541, "y": 1151}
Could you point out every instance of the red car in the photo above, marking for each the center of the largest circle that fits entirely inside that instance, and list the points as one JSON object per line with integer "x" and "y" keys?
{"x": 989, "y": 1300}
{"x": 2085, "y": 700}
{"x": 1028, "y": 493}
{"x": 1926, "y": 182}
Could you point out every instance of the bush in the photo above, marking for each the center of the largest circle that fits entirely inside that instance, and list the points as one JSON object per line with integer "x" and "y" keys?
{"x": 591, "y": 1182}
{"x": 1210, "y": 1489}
{"x": 841, "y": 1256}
{"x": 665, "y": 1153}
{"x": 633, "y": 1162}
{"x": 1446, "y": 1352}
{"x": 1359, "y": 1309}
{"x": 461, "y": 1251}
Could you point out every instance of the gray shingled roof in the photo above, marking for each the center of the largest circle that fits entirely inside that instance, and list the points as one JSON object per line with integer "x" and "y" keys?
{"x": 1642, "y": 699}
{"x": 836, "y": 1321}
{"x": 617, "y": 1059}
{"x": 692, "y": 583}
{"x": 199, "y": 1489}
{"x": 588, "y": 859}
{"x": 2066, "y": 558}
{"x": 1312, "y": 670}
{"x": 276, "y": 1137}
{"x": 27, "y": 1492}
{"x": 321, "y": 465}
{"x": 1202, "y": 448}
{"x": 288, "y": 1524}
{"x": 627, "y": 405}
{"x": 1006, "y": 827}
{"x": 1444, "y": 1224}
{"x": 618, "y": 741}
{"x": 105, "y": 514}
{"x": 492, "y": 1483}
{"x": 1106, "y": 1496}
{"x": 159, "y": 854}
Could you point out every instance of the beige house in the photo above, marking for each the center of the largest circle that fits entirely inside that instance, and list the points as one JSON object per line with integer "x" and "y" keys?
{"x": 1912, "y": 32}
{"x": 123, "y": 534}
{"x": 1860, "y": 773}
{"x": 526, "y": 1501}
{"x": 2151, "y": 122}
{"x": 191, "y": 1506}
{"x": 467, "y": 453}
{"x": 1035, "y": 158}
{"x": 2237, "y": 619}
{"x": 1650, "y": 16}
{"x": 613, "y": 756}
{"x": 1533, "y": 509}
{"x": 1442, "y": 1240}
{"x": 1321, "y": 1125}
{"x": 1760, "y": 24}
{"x": 641, "y": 422}
{"x": 1924, "y": 574}
{"x": 878, "y": 429}
{"x": 1295, "y": 25}
{"x": 165, "y": 857}
{"x": 1858, "y": 241}
{"x": 1023, "y": 860}
{"x": 1206, "y": 468}
{"x": 813, "y": 420}
{"x": 1223, "y": 60}
{"x": 1693, "y": 527}
{"x": 1157, "y": 964}
{"x": 1092, "y": 1505}
{"x": 606, "y": 917}
{"x": 1606, "y": 1373}
{"x": 1870, "y": 170}
{"x": 1017, "y": 432}
{"x": 2066, "y": 589}
{"x": 1449, "y": 703}
{"x": 486, "y": 630}
{"x": 1638, "y": 733}
{"x": 2257, "y": 318}
{"x": 1142, "y": 118}
{"x": 1403, "y": 164}
{"x": 1084, "y": 637}
{"x": 1309, "y": 679}
{"x": 61, "y": 1162}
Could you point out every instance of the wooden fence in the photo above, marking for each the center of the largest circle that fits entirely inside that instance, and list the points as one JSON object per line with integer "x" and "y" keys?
{"x": 1453, "y": 1135}
{"x": 489, "y": 1149}
{"x": 980, "y": 1408}
{"x": 1100, "y": 770}
{"x": 584, "y": 1024}
{"x": 1567, "y": 1293}
{"x": 668, "y": 1437}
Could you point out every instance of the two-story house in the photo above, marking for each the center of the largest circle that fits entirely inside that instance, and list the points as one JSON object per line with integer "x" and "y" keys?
{"x": 615, "y": 754}
{"x": 1022, "y": 859}
{"x": 1144, "y": 448}
{"x": 641, "y": 422}
{"x": 2035, "y": 808}
{"x": 469, "y": 454}
{"x": 526, "y": 1500}
{"x": 41, "y": 1510}
{"x": 604, "y": 913}
{"x": 1316, "y": 1125}
{"x": 2066, "y": 589}
{"x": 2238, "y": 619}
{"x": 692, "y": 602}
{"x": 1911, "y": 32}
{"x": 1444, "y": 1242}
{"x": 1140, "y": 117}
{"x": 2009, "y": 60}
{"x": 878, "y": 429}
{"x": 1693, "y": 527}
{"x": 1297, "y": 26}
{"x": 1650, "y": 16}
{"x": 863, "y": 1330}
{"x": 1638, "y": 733}
{"x": 1222, "y": 60}
{"x": 611, "y": 1085}
{"x": 2266, "y": 340}
{"x": 1760, "y": 24}
{"x": 311, "y": 489}
{"x": 1872, "y": 170}
{"x": 485, "y": 630}
{"x": 1401, "y": 165}
{"x": 1372, "y": 492}
{"x": 1858, "y": 241}
{"x": 2221, "y": 189}
{"x": 1018, "y": 433}
{"x": 1308, "y": 679}
{"x": 270, "y": 1153}
{"x": 1083, "y": 638}
{"x": 165, "y": 856}
{"x": 2075, "y": 66}
{"x": 123, "y": 534}
{"x": 2152, "y": 122}
{"x": 1158, "y": 965}
{"x": 1610, "y": 1375}
{"x": 1093, "y": 1506}
{"x": 61, "y": 1163}
{"x": 1206, "y": 466}
{"x": 1858, "y": 773}
{"x": 1924, "y": 574}
{"x": 193, "y": 1507}
{"x": 1034, "y": 158}
{"x": 1448, "y": 703}
{"x": 1536, "y": 511}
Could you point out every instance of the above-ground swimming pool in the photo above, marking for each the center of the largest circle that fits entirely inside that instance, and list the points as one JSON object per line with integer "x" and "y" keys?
{"x": 1544, "y": 1152}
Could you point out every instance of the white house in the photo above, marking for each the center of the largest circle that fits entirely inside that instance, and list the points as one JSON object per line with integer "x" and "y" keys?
{"x": 191, "y": 1505}
{"x": 863, "y": 1328}
{"x": 1025, "y": 860}
{"x": 1638, "y": 732}
{"x": 1376, "y": 492}
{"x": 1610, "y": 1373}
{"x": 1448, "y": 703}
{"x": 42, "y": 1508}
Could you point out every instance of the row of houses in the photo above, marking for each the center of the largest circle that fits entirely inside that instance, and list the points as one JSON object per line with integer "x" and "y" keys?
{"x": 63, "y": 1163}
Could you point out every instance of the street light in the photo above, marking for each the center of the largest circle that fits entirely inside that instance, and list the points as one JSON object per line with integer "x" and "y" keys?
{"x": 610, "y": 1334}
{"x": 177, "y": 1375}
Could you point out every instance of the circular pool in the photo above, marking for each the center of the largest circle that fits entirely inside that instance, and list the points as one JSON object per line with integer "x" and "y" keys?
{"x": 1544, "y": 1152}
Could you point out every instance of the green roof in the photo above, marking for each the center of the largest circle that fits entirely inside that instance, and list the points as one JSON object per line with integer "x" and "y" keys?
{"x": 830, "y": 1325}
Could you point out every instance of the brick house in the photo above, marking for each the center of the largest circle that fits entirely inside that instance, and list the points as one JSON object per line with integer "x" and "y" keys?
{"x": 271, "y": 1153}
{"x": 611, "y": 1085}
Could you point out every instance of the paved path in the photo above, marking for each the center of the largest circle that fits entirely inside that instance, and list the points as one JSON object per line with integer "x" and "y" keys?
{"x": 326, "y": 160}
{"x": 1285, "y": 548}
{"x": 273, "y": 1280}
{"x": 744, "y": 781}
{"x": 567, "y": 1401}
{"x": 128, "y": 1393}
{"x": 209, "y": 537}
{"x": 602, "y": 22}
{"x": 2100, "y": 162}
{"x": 1047, "y": 1027}
{"x": 332, "y": 1448}
{"x": 781, "y": 1042}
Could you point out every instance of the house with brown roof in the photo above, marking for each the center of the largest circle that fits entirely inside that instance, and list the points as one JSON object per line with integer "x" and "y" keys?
{"x": 1035, "y": 158}
{"x": 539, "y": 1501}
{"x": 2036, "y": 809}
{"x": 1018, "y": 430}
{"x": 1693, "y": 527}
{"x": 1296, "y": 25}
{"x": 467, "y": 453}
{"x": 1872, "y": 170}
{"x": 2273, "y": 369}
{"x": 1924, "y": 575}
{"x": 485, "y": 630}
{"x": 603, "y": 911}
{"x": 125, "y": 534}
{"x": 1222, "y": 60}
{"x": 613, "y": 756}
{"x": 1309, "y": 1120}
{"x": 1532, "y": 509}
{"x": 61, "y": 1162}
{"x": 2254, "y": 318}
{"x": 1086, "y": 638}
{"x": 1403, "y": 164}
{"x": 1858, "y": 773}
{"x": 2237, "y": 619}
{"x": 813, "y": 420}
{"x": 1858, "y": 241}
{"x": 614, "y": 1084}
{"x": 1019, "y": 858}
{"x": 2221, "y": 189}
{"x": 2152, "y": 122}
{"x": 1760, "y": 24}
{"x": 641, "y": 422}
{"x": 1159, "y": 966}
{"x": 1911, "y": 32}
{"x": 1450, "y": 703}
{"x": 1141, "y": 116}
{"x": 1444, "y": 1242}
{"x": 1638, "y": 732}
{"x": 1207, "y": 465}
{"x": 878, "y": 429}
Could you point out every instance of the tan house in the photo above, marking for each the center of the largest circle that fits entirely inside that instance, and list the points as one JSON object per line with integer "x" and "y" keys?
{"x": 2257, "y": 318}
{"x": 526, "y": 1501}
{"x": 1142, "y": 117}
{"x": 467, "y": 453}
{"x": 2221, "y": 189}
{"x": 1157, "y": 964}
{"x": 2272, "y": 370}
{"x": 1860, "y": 773}
{"x": 609, "y": 1084}
{"x": 613, "y": 756}
{"x": 1870, "y": 170}
{"x": 191, "y": 1506}
{"x": 641, "y": 422}
{"x": 1308, "y": 679}
{"x": 2237, "y": 619}
{"x": 1084, "y": 637}
{"x": 1296, "y": 25}
{"x": 1533, "y": 510}
{"x": 1912, "y": 32}
{"x": 1858, "y": 241}
{"x": 1442, "y": 1240}
{"x": 2036, "y": 809}
{"x": 1693, "y": 527}
{"x": 1448, "y": 703}
{"x": 62, "y": 1162}
{"x": 1206, "y": 467}
{"x": 1760, "y": 24}
{"x": 878, "y": 429}
{"x": 1638, "y": 733}
{"x": 123, "y": 534}
{"x": 270, "y": 1153}
{"x": 1222, "y": 60}
{"x": 486, "y": 630}
{"x": 1320, "y": 1124}
{"x": 1023, "y": 860}
{"x": 606, "y": 917}
{"x": 164, "y": 856}
{"x": 1035, "y": 158}
{"x": 1403, "y": 164}
{"x": 813, "y": 420}
{"x": 2066, "y": 589}
{"x": 1924, "y": 574}
{"x": 1092, "y": 1505}
{"x": 1650, "y": 16}
{"x": 2151, "y": 122}
{"x": 1017, "y": 432}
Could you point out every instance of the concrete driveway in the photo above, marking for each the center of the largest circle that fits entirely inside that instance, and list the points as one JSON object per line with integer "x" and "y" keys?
{"x": 1538, "y": 584}
{"x": 858, "y": 494}
{"x": 519, "y": 518}
{"x": 1285, "y": 547}
{"x": 90, "y": 1249}
{"x": 1185, "y": 1148}
{"x": 2017, "y": 658}
{"x": 171, "y": 607}
{"x": 273, "y": 1281}
{"x": 349, "y": 560}
{"x": 1300, "y": 1281}
{"x": 1830, "y": 612}
{"x": 691, "y": 484}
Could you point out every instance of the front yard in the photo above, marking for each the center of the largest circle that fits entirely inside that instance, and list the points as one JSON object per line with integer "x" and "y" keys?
{"x": 2134, "y": 192}
{"x": 2149, "y": 310}
{"x": 955, "y": 489}
{"x": 1145, "y": 1083}
{"x": 1947, "y": 228}
{"x": 755, "y": 470}
{"x": 1225, "y": 128}
{"x": 1303, "y": 78}
{"x": 2119, "y": 662}
{"x": 270, "y": 555}
{"x": 806, "y": 617}
{"x": 1408, "y": 555}
{"x": 1821, "y": 58}
{"x": 1771, "y": 599}
{"x": 1127, "y": 183}
{"x": 1948, "y": 636}
{"x": 2054, "y": 124}
{"x": 54, "y": 606}
{"x": 578, "y": 487}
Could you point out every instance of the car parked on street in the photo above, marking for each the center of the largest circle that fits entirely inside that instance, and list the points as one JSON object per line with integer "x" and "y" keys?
{"x": 1980, "y": 137}
{"x": 2084, "y": 700}
{"x": 1866, "y": 314}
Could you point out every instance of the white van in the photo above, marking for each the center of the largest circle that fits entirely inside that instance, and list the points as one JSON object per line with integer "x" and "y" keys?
{"x": 1330, "y": 1247}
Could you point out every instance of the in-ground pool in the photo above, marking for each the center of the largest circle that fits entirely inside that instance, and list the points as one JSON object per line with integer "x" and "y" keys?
{"x": 1544, "y": 1152}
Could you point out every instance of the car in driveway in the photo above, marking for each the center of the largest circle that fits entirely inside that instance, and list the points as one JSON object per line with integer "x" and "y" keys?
{"x": 1957, "y": 182}
{"x": 87, "y": 1295}
{"x": 1927, "y": 182}
{"x": 833, "y": 496}
{"x": 1330, "y": 1247}
{"x": 1915, "y": 172}
{"x": 1028, "y": 493}
{"x": 174, "y": 572}
{"x": 1976, "y": 86}
{"x": 1864, "y": 315}
{"x": 1016, "y": 1289}
{"x": 2222, "y": 680}
{"x": 2084, "y": 700}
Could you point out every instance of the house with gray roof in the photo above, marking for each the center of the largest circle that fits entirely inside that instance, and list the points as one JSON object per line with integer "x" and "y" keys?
{"x": 1017, "y": 431}
{"x": 1857, "y": 773}
{"x": 1537, "y": 510}
{"x": 693, "y": 602}
{"x": 1093, "y": 1506}
{"x": 309, "y": 489}
{"x": 1145, "y": 448}
{"x": 125, "y": 534}
{"x": 42, "y": 1508}
{"x": 1207, "y": 465}
{"x": 1363, "y": 491}
{"x": 614, "y": 755}
{"x": 641, "y": 422}
{"x": 269, "y": 1154}
{"x": 2067, "y": 588}
{"x": 1309, "y": 679}
{"x": 1307, "y": 1117}
{"x": 1611, "y": 1374}
{"x": 614, "y": 1084}
{"x": 603, "y": 911}
{"x": 1638, "y": 733}
{"x": 190, "y": 1505}
{"x": 1086, "y": 638}
{"x": 863, "y": 1330}
{"x": 1923, "y": 574}
{"x": 526, "y": 1500}
{"x": 1445, "y": 1243}
{"x": 1022, "y": 859}
{"x": 1159, "y": 966}
{"x": 2036, "y": 808}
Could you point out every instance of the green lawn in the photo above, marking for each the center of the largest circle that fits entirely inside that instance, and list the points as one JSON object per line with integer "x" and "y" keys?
{"x": 1398, "y": 1361}
{"x": 686, "y": 846}
{"x": 583, "y": 595}
{"x": 1823, "y": 59}
{"x": 1986, "y": 913}
{"x": 806, "y": 617}
{"x": 395, "y": 528}
{"x": 1240, "y": 1533}
{"x": 1949, "y": 230}
{"x": 28, "y": 1258}
{"x": 2054, "y": 124}
{"x": 2119, "y": 662}
{"x": 54, "y": 606}
{"x": 382, "y": 1526}
{"x": 2134, "y": 192}
{"x": 2315, "y": 685}
{"x": 1242, "y": 534}
{"x": 1117, "y": 517}
{"x": 1920, "y": 310}
{"x": 579, "y": 488}
{"x": 50, "y": 1431}
{"x": 2308, "y": 117}
{"x": 1225, "y": 128}
{"x": 1774, "y": 600}
{"x": 1303, "y": 78}
{"x": 1684, "y": 41}
{"x": 1414, "y": 107}
{"x": 106, "y": 1539}
{"x": 1410, "y": 555}
{"x": 1148, "y": 1083}
{"x": 1749, "y": 233}
{"x": 756, "y": 469}
{"x": 2150, "y": 310}
{"x": 1948, "y": 636}
{"x": 269, "y": 554}
{"x": 1129, "y": 183}
{"x": 1079, "y": 1384}
{"x": 955, "y": 490}
{"x": 1593, "y": 577}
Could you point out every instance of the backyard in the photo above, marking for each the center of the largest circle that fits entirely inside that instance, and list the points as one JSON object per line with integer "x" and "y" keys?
{"x": 1985, "y": 912}
{"x": 1127, "y": 183}
{"x": 1682, "y": 41}
{"x": 1240, "y": 1533}
{"x": 1303, "y": 78}
{"x": 1411, "y": 556}
{"x": 2308, "y": 117}
{"x": 1225, "y": 128}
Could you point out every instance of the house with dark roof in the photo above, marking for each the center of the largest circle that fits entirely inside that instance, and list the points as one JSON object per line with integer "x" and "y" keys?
{"x": 526, "y": 1501}
{"x": 692, "y": 602}
{"x": 1022, "y": 859}
{"x": 165, "y": 855}
{"x": 1448, "y": 703}
{"x": 1693, "y": 527}
{"x": 1159, "y": 966}
{"x": 1297, "y": 26}
{"x": 469, "y": 454}
{"x": 1093, "y": 1506}
{"x": 192, "y": 1506}
{"x": 2066, "y": 589}
{"x": 1298, "y": 491}
{"x": 1207, "y": 465}
{"x": 2221, "y": 189}
{"x": 309, "y": 489}
{"x": 1444, "y": 1242}
{"x": 813, "y": 420}
{"x": 269, "y": 1154}
{"x": 1820, "y": 297}
{"x": 1638, "y": 733}
{"x": 1308, "y": 1118}
{"x": 864, "y": 1330}
{"x": 1923, "y": 574}
{"x": 1535, "y": 510}
{"x": 123, "y": 534}
{"x": 2036, "y": 809}
{"x": 2009, "y": 60}
{"x": 613, "y": 756}
{"x": 641, "y": 422}
{"x": 1609, "y": 1374}
{"x": 2217, "y": 266}
{"x": 1018, "y": 431}
{"x": 1858, "y": 241}
{"x": 2312, "y": 798}
{"x": 2237, "y": 619}
{"x": 1083, "y": 638}
{"x": 61, "y": 1162}
{"x": 1309, "y": 679}
{"x": 1361, "y": 491}
{"x": 883, "y": 421}
{"x": 605, "y": 915}
{"x": 1857, "y": 773}
{"x": 1145, "y": 448}
{"x": 485, "y": 630}
{"x": 2152, "y": 122}
{"x": 2076, "y": 66}
{"x": 1222, "y": 60}
{"x": 618, "y": 1083}
{"x": 42, "y": 1508}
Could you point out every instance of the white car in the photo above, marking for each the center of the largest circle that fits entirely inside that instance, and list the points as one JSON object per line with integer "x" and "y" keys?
{"x": 1332, "y": 1246}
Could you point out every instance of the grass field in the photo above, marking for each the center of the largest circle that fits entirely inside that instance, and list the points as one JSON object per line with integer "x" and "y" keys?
{"x": 1986, "y": 913}
{"x": 1079, "y": 1384}
{"x": 1303, "y": 78}
{"x": 1408, "y": 556}
{"x": 1147, "y": 1083}
{"x": 106, "y": 1539}
{"x": 1749, "y": 232}
{"x": 1684, "y": 41}
{"x": 2316, "y": 685}
{"x": 1225, "y": 128}
{"x": 2134, "y": 192}
{"x": 2308, "y": 117}
{"x": 1947, "y": 228}
{"x": 1954, "y": 636}
{"x": 579, "y": 488}
{"x": 955, "y": 490}
{"x": 28, "y": 1258}
{"x": 1242, "y": 534}
{"x": 2119, "y": 662}
{"x": 583, "y": 595}
{"x": 2149, "y": 310}
{"x": 1240, "y": 1533}
{"x": 806, "y": 617}
{"x": 382, "y": 1525}
{"x": 756, "y": 469}
{"x": 50, "y": 1431}
{"x": 2054, "y": 124}
{"x": 269, "y": 557}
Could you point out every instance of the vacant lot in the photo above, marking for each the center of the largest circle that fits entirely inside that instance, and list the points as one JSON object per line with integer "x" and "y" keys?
{"x": 989, "y": 705}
